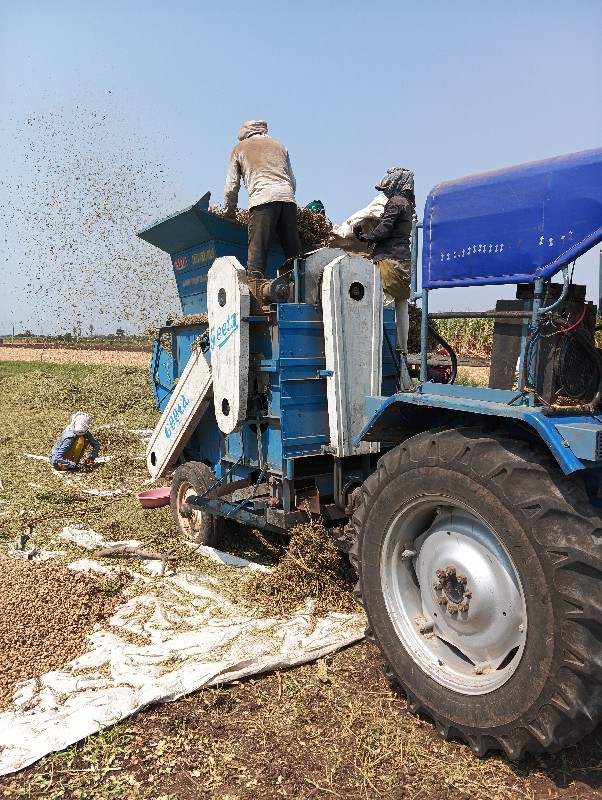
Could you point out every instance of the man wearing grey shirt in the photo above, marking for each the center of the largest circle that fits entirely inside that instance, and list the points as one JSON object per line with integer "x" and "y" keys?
{"x": 265, "y": 167}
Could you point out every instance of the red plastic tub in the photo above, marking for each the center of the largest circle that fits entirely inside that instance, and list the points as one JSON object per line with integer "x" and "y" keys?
{"x": 154, "y": 498}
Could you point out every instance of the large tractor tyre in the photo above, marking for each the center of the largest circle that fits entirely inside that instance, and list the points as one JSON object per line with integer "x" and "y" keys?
{"x": 480, "y": 571}
{"x": 194, "y": 478}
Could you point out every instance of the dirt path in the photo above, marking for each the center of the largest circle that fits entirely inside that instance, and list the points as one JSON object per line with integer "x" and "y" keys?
{"x": 65, "y": 355}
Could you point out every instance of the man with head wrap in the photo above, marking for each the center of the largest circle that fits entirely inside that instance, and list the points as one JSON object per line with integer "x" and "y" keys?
{"x": 391, "y": 240}
{"x": 69, "y": 447}
{"x": 265, "y": 167}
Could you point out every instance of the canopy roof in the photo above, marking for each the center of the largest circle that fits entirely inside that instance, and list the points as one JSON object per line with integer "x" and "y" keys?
{"x": 513, "y": 225}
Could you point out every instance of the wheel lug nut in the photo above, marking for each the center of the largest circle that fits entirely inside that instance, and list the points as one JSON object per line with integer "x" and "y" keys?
{"x": 452, "y": 608}
{"x": 442, "y": 600}
{"x": 437, "y": 586}
{"x": 440, "y": 573}
{"x": 450, "y": 571}
{"x": 463, "y": 606}
{"x": 468, "y": 594}
{"x": 462, "y": 579}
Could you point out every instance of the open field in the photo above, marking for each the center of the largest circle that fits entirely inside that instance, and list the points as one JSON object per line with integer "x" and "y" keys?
{"x": 70, "y": 355}
{"x": 141, "y": 359}
{"x": 332, "y": 728}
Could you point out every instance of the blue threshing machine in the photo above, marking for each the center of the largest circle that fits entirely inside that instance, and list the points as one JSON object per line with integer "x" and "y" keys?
{"x": 472, "y": 515}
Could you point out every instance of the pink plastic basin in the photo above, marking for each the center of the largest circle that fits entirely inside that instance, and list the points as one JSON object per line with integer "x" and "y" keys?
{"x": 154, "y": 498}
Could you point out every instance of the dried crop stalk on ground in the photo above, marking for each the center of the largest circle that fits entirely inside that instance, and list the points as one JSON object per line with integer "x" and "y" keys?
{"x": 311, "y": 566}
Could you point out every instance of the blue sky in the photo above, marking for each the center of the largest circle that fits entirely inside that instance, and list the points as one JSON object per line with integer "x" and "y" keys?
{"x": 160, "y": 90}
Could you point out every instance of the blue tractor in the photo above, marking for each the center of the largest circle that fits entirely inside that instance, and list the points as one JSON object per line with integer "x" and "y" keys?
{"x": 472, "y": 515}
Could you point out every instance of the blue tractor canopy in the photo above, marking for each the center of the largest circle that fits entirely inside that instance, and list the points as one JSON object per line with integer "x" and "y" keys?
{"x": 513, "y": 225}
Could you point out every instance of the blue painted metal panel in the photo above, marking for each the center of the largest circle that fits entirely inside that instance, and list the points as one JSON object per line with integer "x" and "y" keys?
{"x": 477, "y": 393}
{"x": 205, "y": 444}
{"x": 194, "y": 238}
{"x": 304, "y": 417}
{"x": 302, "y": 402}
{"x": 393, "y": 414}
{"x": 161, "y": 375}
{"x": 185, "y": 337}
{"x": 234, "y": 450}
{"x": 389, "y": 380}
{"x": 166, "y": 366}
{"x": 582, "y": 437}
{"x": 513, "y": 225}
{"x": 191, "y": 268}
{"x": 190, "y": 228}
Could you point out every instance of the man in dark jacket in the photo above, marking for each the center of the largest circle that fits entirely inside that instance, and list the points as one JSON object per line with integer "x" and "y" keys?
{"x": 391, "y": 240}
{"x": 265, "y": 167}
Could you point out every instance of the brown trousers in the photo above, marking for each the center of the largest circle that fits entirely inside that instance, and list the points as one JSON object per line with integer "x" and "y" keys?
{"x": 395, "y": 277}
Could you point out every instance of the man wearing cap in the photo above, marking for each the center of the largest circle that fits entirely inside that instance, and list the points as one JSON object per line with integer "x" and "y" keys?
{"x": 265, "y": 167}
{"x": 391, "y": 240}
{"x": 69, "y": 447}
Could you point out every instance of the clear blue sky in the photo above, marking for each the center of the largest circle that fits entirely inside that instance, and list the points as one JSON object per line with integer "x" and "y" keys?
{"x": 448, "y": 89}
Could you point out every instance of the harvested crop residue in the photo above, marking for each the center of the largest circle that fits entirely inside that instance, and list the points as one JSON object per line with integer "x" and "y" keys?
{"x": 312, "y": 566}
{"x": 314, "y": 229}
{"x": 46, "y": 614}
{"x": 330, "y": 729}
{"x": 473, "y": 376}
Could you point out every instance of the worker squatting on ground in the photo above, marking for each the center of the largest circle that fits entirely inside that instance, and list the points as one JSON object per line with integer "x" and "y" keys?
{"x": 391, "y": 240}
{"x": 266, "y": 171}
{"x": 70, "y": 446}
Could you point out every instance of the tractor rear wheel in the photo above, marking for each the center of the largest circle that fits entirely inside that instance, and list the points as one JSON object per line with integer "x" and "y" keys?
{"x": 194, "y": 478}
{"x": 480, "y": 569}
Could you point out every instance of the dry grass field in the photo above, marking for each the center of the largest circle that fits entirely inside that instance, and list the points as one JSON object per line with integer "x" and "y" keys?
{"x": 329, "y": 729}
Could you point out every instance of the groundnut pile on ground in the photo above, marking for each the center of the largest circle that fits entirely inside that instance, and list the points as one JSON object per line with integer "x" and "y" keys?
{"x": 46, "y": 614}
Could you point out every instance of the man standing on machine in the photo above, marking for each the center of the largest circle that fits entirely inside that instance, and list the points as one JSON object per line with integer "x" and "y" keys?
{"x": 265, "y": 167}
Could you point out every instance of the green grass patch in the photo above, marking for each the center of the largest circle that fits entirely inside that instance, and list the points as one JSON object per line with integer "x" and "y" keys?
{"x": 33, "y": 368}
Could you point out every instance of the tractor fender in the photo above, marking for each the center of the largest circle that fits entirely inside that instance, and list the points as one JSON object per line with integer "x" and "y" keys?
{"x": 390, "y": 419}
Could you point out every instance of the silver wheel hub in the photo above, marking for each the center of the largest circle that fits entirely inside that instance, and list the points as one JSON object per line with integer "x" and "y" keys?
{"x": 453, "y": 595}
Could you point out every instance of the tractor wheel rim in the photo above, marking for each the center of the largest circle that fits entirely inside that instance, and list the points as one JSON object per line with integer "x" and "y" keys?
{"x": 192, "y": 524}
{"x": 453, "y": 595}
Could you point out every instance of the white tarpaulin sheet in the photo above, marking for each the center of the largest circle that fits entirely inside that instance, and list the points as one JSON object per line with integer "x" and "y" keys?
{"x": 193, "y": 635}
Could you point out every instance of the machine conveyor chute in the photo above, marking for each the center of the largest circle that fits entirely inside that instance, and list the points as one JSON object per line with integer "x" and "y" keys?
{"x": 188, "y": 403}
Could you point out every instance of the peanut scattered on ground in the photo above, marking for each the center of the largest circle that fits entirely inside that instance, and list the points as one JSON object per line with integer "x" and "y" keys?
{"x": 46, "y": 614}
